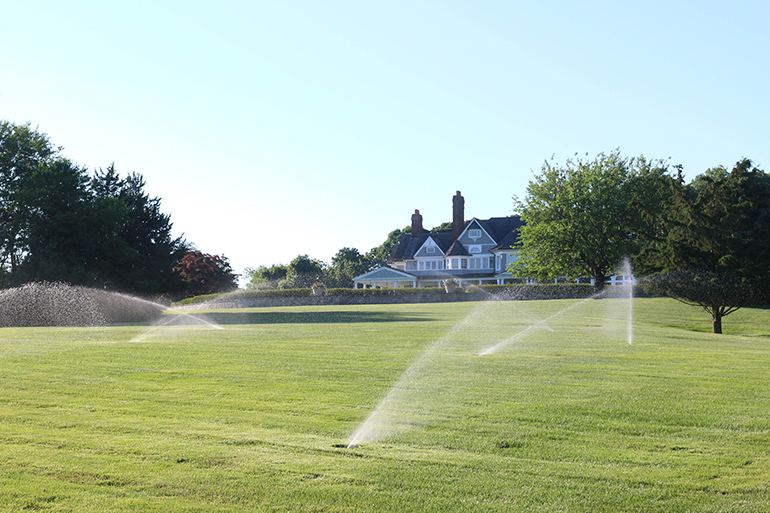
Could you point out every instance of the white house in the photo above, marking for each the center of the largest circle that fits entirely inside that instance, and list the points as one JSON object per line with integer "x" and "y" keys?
{"x": 476, "y": 252}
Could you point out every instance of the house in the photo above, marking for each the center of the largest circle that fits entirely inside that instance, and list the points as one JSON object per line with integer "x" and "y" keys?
{"x": 476, "y": 252}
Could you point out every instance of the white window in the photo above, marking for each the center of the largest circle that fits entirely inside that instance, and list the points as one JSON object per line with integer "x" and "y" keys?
{"x": 474, "y": 234}
{"x": 430, "y": 249}
{"x": 463, "y": 263}
{"x": 474, "y": 249}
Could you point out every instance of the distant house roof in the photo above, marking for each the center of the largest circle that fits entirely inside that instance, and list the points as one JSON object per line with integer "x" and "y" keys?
{"x": 410, "y": 244}
{"x": 385, "y": 273}
{"x": 456, "y": 249}
{"x": 504, "y": 231}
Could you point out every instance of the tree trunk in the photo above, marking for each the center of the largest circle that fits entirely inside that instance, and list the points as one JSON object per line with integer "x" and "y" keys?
{"x": 599, "y": 282}
{"x": 716, "y": 317}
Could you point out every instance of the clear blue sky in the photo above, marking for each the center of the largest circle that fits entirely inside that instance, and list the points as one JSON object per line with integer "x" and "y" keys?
{"x": 277, "y": 128}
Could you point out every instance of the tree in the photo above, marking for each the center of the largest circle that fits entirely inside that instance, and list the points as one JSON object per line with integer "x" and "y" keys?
{"x": 715, "y": 251}
{"x": 719, "y": 294}
{"x": 206, "y": 274}
{"x": 583, "y": 218}
{"x": 443, "y": 227}
{"x": 22, "y": 150}
{"x": 54, "y": 238}
{"x": 303, "y": 271}
{"x": 264, "y": 277}
{"x": 142, "y": 252}
{"x": 378, "y": 256}
{"x": 346, "y": 265}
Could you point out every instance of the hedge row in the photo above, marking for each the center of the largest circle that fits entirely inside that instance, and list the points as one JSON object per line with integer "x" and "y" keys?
{"x": 509, "y": 292}
{"x": 246, "y": 294}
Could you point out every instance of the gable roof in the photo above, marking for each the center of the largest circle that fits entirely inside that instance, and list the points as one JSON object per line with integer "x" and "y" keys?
{"x": 410, "y": 244}
{"x": 457, "y": 249}
{"x": 504, "y": 231}
{"x": 385, "y": 273}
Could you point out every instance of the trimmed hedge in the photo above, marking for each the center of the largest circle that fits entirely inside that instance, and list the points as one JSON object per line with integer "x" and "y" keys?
{"x": 245, "y": 295}
{"x": 536, "y": 291}
{"x": 494, "y": 292}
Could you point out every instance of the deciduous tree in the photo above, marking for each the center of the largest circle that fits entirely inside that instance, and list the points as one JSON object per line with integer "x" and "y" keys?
{"x": 22, "y": 150}
{"x": 584, "y": 217}
{"x": 56, "y": 231}
{"x": 304, "y": 271}
{"x": 346, "y": 265}
{"x": 378, "y": 256}
{"x": 206, "y": 274}
{"x": 264, "y": 277}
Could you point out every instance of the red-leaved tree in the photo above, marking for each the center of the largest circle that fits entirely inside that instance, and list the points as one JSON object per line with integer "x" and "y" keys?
{"x": 206, "y": 274}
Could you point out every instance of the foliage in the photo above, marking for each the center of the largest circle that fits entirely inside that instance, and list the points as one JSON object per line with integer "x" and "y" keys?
{"x": 346, "y": 265}
{"x": 584, "y": 217}
{"x": 483, "y": 292}
{"x": 719, "y": 294}
{"x": 206, "y": 274}
{"x": 444, "y": 227}
{"x": 56, "y": 231}
{"x": 245, "y": 295}
{"x": 715, "y": 251}
{"x": 378, "y": 257}
{"x": 265, "y": 277}
{"x": 303, "y": 272}
{"x": 57, "y": 223}
{"x": 146, "y": 231}
{"x": 22, "y": 150}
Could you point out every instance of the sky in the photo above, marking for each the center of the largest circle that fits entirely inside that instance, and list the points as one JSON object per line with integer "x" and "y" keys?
{"x": 272, "y": 129}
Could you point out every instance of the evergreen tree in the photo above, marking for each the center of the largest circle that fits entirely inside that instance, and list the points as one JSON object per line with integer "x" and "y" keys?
{"x": 715, "y": 250}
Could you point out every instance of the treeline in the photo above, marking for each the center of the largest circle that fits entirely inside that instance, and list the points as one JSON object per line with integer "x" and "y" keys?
{"x": 346, "y": 264}
{"x": 304, "y": 271}
{"x": 58, "y": 222}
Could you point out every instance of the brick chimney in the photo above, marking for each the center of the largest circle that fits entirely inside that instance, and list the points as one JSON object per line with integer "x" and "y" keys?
{"x": 416, "y": 223}
{"x": 458, "y": 215}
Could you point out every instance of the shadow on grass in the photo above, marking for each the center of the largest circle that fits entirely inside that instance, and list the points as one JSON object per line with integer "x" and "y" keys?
{"x": 343, "y": 317}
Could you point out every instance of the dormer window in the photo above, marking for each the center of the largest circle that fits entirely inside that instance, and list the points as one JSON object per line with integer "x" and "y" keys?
{"x": 474, "y": 234}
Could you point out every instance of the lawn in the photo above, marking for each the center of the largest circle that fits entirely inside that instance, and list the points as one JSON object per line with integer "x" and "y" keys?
{"x": 257, "y": 412}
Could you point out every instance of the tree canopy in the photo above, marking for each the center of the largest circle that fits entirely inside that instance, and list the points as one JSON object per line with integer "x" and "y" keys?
{"x": 715, "y": 249}
{"x": 206, "y": 274}
{"x": 583, "y": 218}
{"x": 304, "y": 271}
{"x": 346, "y": 265}
{"x": 264, "y": 277}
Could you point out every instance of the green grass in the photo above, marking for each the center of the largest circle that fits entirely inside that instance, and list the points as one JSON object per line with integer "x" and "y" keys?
{"x": 256, "y": 416}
